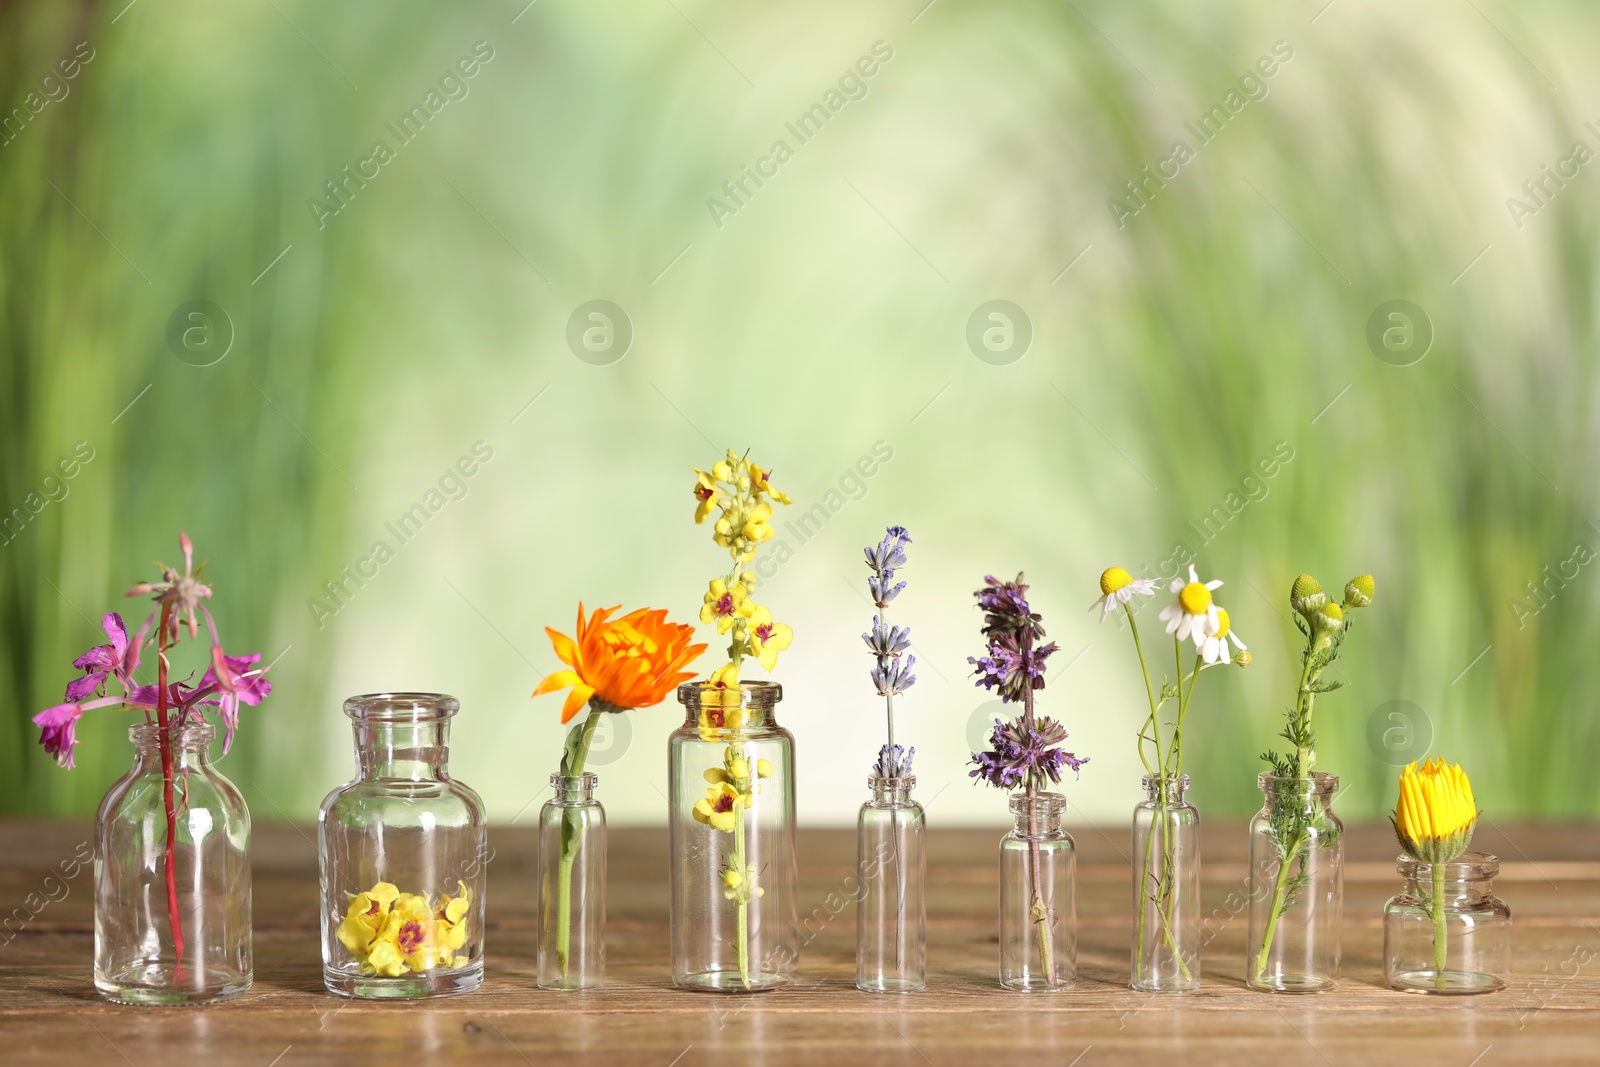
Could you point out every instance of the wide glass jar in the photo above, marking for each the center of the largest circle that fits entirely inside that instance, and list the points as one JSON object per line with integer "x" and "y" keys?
{"x": 1038, "y": 916}
{"x": 1446, "y": 932}
{"x": 1296, "y": 886}
{"x": 572, "y": 886}
{"x": 891, "y": 908}
{"x": 172, "y": 876}
{"x": 403, "y": 849}
{"x": 735, "y": 889}
{"x": 1166, "y": 888}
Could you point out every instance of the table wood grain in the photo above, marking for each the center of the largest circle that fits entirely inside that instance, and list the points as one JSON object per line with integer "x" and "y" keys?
{"x": 1550, "y": 1014}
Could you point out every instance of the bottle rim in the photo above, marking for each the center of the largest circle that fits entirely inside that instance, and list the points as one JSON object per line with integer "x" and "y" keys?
{"x": 187, "y": 733}
{"x": 758, "y": 694}
{"x": 1321, "y": 783}
{"x": 401, "y": 707}
{"x": 1467, "y": 867}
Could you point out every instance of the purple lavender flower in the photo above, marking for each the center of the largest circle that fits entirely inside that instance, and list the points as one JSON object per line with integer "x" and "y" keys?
{"x": 894, "y": 762}
{"x": 1019, "y": 751}
{"x": 891, "y": 674}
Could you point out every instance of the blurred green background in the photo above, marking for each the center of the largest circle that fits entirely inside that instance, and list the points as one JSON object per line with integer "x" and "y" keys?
{"x": 1155, "y": 353}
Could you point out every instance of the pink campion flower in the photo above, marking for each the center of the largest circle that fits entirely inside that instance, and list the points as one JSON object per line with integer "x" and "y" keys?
{"x": 182, "y": 591}
{"x": 235, "y": 683}
{"x": 57, "y": 726}
{"x": 118, "y": 658}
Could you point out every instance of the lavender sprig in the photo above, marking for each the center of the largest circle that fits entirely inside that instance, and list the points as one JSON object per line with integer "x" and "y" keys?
{"x": 891, "y": 673}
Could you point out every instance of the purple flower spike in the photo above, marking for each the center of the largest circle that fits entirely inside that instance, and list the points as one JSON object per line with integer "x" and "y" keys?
{"x": 1019, "y": 751}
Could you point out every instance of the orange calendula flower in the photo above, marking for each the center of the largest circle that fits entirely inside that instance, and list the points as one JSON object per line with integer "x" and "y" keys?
{"x": 631, "y": 662}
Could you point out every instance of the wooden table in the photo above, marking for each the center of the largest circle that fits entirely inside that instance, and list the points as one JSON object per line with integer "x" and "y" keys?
{"x": 49, "y": 1012}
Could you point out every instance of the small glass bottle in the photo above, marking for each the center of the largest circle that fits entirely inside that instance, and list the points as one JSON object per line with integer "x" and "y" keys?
{"x": 403, "y": 850}
{"x": 572, "y": 886}
{"x": 201, "y": 885}
{"x": 1474, "y": 953}
{"x": 1166, "y": 888}
{"x": 735, "y": 877}
{"x": 1296, "y": 882}
{"x": 1038, "y": 917}
{"x": 891, "y": 909}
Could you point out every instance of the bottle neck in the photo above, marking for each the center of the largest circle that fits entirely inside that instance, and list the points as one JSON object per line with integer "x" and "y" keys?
{"x": 1165, "y": 790}
{"x": 188, "y": 746}
{"x": 716, "y": 712}
{"x": 573, "y": 790}
{"x": 1307, "y": 793}
{"x": 891, "y": 792}
{"x": 418, "y": 751}
{"x": 1037, "y": 816}
{"x": 1467, "y": 881}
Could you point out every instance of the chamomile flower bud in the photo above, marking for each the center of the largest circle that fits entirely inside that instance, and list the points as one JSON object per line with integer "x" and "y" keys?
{"x": 1307, "y": 596}
{"x": 1358, "y": 592}
{"x": 1329, "y": 617}
{"x": 1242, "y": 658}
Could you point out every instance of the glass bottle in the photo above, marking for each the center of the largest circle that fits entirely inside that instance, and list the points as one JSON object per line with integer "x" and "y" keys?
{"x": 1296, "y": 886}
{"x": 1166, "y": 888}
{"x": 403, "y": 849}
{"x": 735, "y": 889}
{"x": 891, "y": 909}
{"x": 572, "y": 886}
{"x": 203, "y": 880}
{"x": 1038, "y": 917}
{"x": 1475, "y": 954}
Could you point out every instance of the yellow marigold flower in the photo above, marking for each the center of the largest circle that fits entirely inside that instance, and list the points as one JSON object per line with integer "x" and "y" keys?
{"x": 706, "y": 492}
{"x": 724, "y": 604}
{"x": 367, "y": 915}
{"x": 716, "y": 808}
{"x": 1436, "y": 814}
{"x": 758, "y": 479}
{"x": 767, "y": 638}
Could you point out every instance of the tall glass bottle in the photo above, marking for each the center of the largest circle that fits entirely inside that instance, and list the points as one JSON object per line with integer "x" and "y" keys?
{"x": 572, "y": 886}
{"x": 172, "y": 926}
{"x": 735, "y": 880}
{"x": 403, "y": 848}
{"x": 1038, "y": 916}
{"x": 1446, "y": 932}
{"x": 891, "y": 910}
{"x": 1296, "y": 886}
{"x": 1166, "y": 888}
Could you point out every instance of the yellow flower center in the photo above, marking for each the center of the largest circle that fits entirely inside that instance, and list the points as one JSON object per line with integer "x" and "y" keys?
{"x": 1194, "y": 598}
{"x": 1222, "y": 623}
{"x": 1113, "y": 579}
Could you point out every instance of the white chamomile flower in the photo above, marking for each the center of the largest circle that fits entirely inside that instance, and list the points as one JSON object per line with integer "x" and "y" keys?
{"x": 1118, "y": 587}
{"x": 1193, "y": 614}
{"x": 1214, "y": 647}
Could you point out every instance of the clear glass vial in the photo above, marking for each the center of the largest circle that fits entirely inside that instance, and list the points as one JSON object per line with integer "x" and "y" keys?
{"x": 572, "y": 886}
{"x": 1038, "y": 916}
{"x": 1296, "y": 886}
{"x": 891, "y": 907}
{"x": 735, "y": 880}
{"x": 403, "y": 850}
{"x": 1446, "y": 932}
{"x": 1166, "y": 888}
{"x": 138, "y": 957}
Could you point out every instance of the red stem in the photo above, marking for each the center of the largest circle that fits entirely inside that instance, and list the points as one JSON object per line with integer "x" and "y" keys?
{"x": 164, "y": 740}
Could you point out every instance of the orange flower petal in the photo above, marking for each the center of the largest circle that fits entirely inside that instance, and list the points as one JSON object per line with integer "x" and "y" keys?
{"x": 575, "y": 701}
{"x": 557, "y": 680}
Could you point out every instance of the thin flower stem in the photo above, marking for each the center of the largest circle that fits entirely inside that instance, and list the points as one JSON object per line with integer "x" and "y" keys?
{"x": 164, "y": 741}
{"x": 744, "y": 905}
{"x": 894, "y": 842}
{"x": 1040, "y": 909}
{"x": 570, "y": 824}
{"x": 1275, "y": 912}
{"x": 1149, "y": 690}
{"x": 1440, "y": 930}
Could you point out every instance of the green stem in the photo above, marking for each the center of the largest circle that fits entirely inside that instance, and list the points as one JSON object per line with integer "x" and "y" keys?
{"x": 744, "y": 906}
{"x": 1440, "y": 932}
{"x": 1275, "y": 912}
{"x": 572, "y": 767}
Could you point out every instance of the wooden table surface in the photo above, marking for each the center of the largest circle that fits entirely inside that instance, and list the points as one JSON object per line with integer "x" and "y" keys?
{"x": 1550, "y": 1014}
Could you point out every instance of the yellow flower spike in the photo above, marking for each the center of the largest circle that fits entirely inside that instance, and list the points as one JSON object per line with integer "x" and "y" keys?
{"x": 738, "y": 769}
{"x": 1436, "y": 814}
{"x": 721, "y": 471}
{"x": 763, "y": 768}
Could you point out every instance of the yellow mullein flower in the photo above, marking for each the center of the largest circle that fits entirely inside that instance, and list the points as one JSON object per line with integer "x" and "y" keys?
{"x": 758, "y": 478}
{"x": 766, "y": 637}
{"x": 367, "y": 915}
{"x": 716, "y": 808}
{"x": 763, "y": 768}
{"x": 408, "y": 940}
{"x": 1436, "y": 814}
{"x": 756, "y": 528}
{"x": 450, "y": 925}
{"x": 725, "y": 604}
{"x": 706, "y": 492}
